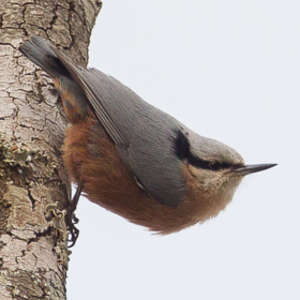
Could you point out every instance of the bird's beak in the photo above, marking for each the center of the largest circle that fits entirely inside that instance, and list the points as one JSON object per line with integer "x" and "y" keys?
{"x": 249, "y": 169}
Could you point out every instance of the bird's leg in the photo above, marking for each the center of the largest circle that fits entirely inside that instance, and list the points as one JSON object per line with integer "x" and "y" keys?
{"x": 71, "y": 219}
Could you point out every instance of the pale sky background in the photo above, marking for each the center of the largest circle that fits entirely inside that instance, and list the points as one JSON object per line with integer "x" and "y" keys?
{"x": 229, "y": 70}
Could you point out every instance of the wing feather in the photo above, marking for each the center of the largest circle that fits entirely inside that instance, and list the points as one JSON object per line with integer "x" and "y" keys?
{"x": 143, "y": 134}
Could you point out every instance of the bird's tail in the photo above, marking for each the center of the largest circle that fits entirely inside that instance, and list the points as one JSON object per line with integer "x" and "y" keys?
{"x": 40, "y": 52}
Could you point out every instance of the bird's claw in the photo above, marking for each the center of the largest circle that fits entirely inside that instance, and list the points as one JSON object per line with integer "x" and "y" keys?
{"x": 73, "y": 230}
{"x": 71, "y": 219}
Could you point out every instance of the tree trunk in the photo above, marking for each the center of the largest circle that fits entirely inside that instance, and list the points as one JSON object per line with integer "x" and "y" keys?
{"x": 34, "y": 189}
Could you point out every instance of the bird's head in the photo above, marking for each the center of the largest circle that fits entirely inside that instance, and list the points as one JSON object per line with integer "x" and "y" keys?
{"x": 215, "y": 169}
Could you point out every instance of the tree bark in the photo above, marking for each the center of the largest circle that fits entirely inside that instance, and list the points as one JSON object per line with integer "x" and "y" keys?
{"x": 34, "y": 189}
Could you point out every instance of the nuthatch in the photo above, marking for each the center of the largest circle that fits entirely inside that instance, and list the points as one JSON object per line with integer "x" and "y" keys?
{"x": 130, "y": 157}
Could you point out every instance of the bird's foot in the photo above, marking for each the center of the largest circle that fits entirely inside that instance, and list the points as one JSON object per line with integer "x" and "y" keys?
{"x": 71, "y": 219}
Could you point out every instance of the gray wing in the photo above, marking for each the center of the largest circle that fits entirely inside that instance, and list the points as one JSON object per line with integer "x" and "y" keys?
{"x": 144, "y": 135}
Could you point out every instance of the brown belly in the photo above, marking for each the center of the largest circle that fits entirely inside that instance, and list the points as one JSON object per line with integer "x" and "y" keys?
{"x": 91, "y": 158}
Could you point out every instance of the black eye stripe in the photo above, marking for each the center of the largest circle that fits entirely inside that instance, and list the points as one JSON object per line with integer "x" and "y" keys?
{"x": 204, "y": 164}
{"x": 182, "y": 150}
{"x": 182, "y": 145}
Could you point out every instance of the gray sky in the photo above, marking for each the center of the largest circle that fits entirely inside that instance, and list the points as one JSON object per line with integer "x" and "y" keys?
{"x": 229, "y": 70}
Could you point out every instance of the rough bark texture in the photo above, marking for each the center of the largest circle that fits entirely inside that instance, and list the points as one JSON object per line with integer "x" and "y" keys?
{"x": 34, "y": 189}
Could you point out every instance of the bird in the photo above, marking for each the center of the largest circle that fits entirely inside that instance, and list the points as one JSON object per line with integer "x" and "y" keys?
{"x": 132, "y": 158}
